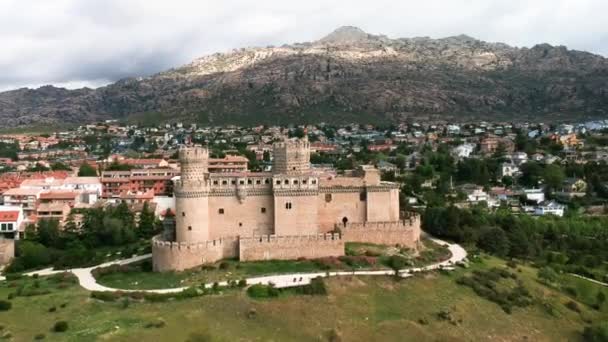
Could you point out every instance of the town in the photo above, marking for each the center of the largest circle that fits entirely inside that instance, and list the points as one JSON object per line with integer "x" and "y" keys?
{"x": 536, "y": 169}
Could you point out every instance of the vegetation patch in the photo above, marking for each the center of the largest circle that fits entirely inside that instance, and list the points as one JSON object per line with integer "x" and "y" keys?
{"x": 494, "y": 285}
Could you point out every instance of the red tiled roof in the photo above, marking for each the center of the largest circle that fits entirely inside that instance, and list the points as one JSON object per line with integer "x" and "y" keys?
{"x": 9, "y": 216}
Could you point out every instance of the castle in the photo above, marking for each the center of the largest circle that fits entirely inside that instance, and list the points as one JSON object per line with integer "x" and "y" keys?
{"x": 292, "y": 212}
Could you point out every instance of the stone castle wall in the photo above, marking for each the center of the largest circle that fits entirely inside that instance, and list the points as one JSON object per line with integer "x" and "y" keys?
{"x": 175, "y": 256}
{"x": 271, "y": 247}
{"x": 405, "y": 233}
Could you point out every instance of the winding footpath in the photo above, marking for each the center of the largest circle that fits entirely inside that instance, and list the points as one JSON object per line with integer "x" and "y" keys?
{"x": 88, "y": 282}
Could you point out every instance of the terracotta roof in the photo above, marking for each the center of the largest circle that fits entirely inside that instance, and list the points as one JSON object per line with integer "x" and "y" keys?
{"x": 9, "y": 216}
{"x": 58, "y": 195}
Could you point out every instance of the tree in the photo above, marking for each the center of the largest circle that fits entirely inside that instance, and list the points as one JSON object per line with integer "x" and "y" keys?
{"x": 601, "y": 298}
{"x": 596, "y": 333}
{"x": 87, "y": 170}
{"x": 147, "y": 222}
{"x": 494, "y": 240}
{"x": 548, "y": 274}
{"x": 48, "y": 233}
{"x": 59, "y": 166}
{"x": 531, "y": 174}
{"x": 554, "y": 176}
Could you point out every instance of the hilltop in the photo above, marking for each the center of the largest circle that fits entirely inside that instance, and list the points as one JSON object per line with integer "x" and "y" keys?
{"x": 347, "y": 75}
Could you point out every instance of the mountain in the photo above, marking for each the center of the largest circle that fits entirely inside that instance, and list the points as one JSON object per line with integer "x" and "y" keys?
{"x": 348, "y": 75}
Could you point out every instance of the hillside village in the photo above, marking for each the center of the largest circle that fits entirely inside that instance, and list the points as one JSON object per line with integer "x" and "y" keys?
{"x": 537, "y": 169}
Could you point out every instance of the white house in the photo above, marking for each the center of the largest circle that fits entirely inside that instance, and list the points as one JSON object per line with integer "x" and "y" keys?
{"x": 519, "y": 158}
{"x": 463, "y": 151}
{"x": 508, "y": 169}
{"x": 551, "y": 208}
{"x": 535, "y": 195}
{"x": 11, "y": 219}
{"x": 478, "y": 195}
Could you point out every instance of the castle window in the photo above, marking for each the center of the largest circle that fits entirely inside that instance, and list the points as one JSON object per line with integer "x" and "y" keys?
{"x": 288, "y": 205}
{"x": 224, "y": 182}
{"x": 267, "y": 181}
{"x": 362, "y": 196}
{"x": 220, "y": 211}
{"x": 263, "y": 210}
{"x": 286, "y": 181}
{"x": 278, "y": 182}
{"x": 293, "y": 168}
{"x": 327, "y": 198}
{"x": 240, "y": 224}
{"x": 183, "y": 214}
{"x": 314, "y": 181}
{"x": 241, "y": 182}
{"x": 304, "y": 181}
{"x": 258, "y": 182}
{"x": 214, "y": 182}
{"x": 233, "y": 181}
{"x": 295, "y": 181}
{"x": 189, "y": 227}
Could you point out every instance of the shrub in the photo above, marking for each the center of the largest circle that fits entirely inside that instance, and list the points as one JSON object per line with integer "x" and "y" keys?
{"x": 39, "y": 337}
{"x": 5, "y": 305}
{"x": 125, "y": 303}
{"x": 158, "y": 324}
{"x": 548, "y": 274}
{"x": 52, "y": 309}
{"x": 396, "y": 262}
{"x": 242, "y": 283}
{"x": 262, "y": 291}
{"x": 316, "y": 287}
{"x": 573, "y": 306}
{"x": 60, "y": 326}
{"x": 224, "y": 265}
{"x": 571, "y": 291}
{"x": 105, "y": 296}
{"x": 10, "y": 296}
{"x": 596, "y": 333}
{"x": 252, "y": 313}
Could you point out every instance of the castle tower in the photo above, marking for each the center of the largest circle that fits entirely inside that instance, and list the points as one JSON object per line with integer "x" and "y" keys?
{"x": 295, "y": 189}
{"x": 192, "y": 196}
{"x": 291, "y": 156}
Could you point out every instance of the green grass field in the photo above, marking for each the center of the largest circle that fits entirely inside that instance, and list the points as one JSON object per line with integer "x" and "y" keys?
{"x": 359, "y": 256}
{"x": 356, "y": 309}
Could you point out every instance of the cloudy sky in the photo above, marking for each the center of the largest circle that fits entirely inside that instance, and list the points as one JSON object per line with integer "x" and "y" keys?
{"x": 75, "y": 43}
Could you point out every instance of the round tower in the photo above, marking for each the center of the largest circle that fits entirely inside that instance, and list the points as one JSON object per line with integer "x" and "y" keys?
{"x": 191, "y": 196}
{"x": 291, "y": 156}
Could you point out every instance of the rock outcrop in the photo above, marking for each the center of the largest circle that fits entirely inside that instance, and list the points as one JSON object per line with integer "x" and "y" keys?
{"x": 347, "y": 75}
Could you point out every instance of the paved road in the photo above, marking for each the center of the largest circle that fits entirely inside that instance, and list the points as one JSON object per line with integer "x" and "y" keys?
{"x": 87, "y": 281}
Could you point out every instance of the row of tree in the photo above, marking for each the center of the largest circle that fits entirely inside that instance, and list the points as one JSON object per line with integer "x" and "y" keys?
{"x": 69, "y": 246}
{"x": 579, "y": 243}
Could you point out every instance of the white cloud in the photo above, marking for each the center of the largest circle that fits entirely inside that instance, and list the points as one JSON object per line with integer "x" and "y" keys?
{"x": 91, "y": 42}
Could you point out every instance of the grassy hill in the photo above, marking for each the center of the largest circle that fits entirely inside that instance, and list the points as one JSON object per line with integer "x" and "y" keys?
{"x": 356, "y": 309}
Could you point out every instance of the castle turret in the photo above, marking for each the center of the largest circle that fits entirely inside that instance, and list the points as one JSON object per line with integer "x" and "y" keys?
{"x": 291, "y": 156}
{"x": 192, "y": 196}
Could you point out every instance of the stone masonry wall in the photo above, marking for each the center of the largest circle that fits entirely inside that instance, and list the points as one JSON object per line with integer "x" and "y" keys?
{"x": 270, "y": 247}
{"x": 173, "y": 256}
{"x": 404, "y": 233}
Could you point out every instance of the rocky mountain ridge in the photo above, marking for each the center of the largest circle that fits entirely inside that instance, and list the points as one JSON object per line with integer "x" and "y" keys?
{"x": 347, "y": 75}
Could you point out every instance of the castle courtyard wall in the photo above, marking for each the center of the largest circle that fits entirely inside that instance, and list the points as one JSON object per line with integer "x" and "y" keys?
{"x": 405, "y": 233}
{"x": 174, "y": 256}
{"x": 271, "y": 247}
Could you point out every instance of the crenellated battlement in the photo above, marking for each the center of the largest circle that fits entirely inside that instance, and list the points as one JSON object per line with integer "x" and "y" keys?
{"x": 189, "y": 154}
{"x": 270, "y": 239}
{"x": 157, "y": 241}
{"x": 408, "y": 223}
